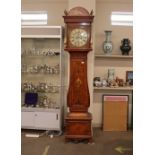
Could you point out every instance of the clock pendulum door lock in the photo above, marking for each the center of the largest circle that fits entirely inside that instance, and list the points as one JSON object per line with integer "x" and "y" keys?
{"x": 82, "y": 62}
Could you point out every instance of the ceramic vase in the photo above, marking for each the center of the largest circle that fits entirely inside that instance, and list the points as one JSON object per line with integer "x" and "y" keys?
{"x": 107, "y": 44}
{"x": 111, "y": 75}
{"x": 125, "y": 47}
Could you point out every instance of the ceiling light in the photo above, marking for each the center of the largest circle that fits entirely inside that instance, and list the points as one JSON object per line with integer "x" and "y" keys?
{"x": 34, "y": 18}
{"x": 122, "y": 18}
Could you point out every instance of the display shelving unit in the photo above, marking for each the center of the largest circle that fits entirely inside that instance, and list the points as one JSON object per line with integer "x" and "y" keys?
{"x": 113, "y": 58}
{"x": 119, "y": 62}
{"x": 42, "y": 72}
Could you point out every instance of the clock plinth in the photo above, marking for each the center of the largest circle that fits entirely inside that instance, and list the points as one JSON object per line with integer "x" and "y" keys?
{"x": 78, "y": 44}
{"x": 78, "y": 126}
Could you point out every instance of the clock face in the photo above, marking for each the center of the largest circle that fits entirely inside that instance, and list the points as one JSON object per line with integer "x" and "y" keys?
{"x": 78, "y": 37}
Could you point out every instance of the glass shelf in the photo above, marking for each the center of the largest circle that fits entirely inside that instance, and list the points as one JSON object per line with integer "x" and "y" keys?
{"x": 40, "y": 92}
{"x": 27, "y": 55}
{"x": 40, "y": 73}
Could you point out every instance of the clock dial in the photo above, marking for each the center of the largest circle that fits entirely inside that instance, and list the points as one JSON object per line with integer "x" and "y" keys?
{"x": 78, "y": 37}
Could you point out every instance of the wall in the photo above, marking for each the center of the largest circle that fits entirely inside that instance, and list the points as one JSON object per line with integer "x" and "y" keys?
{"x": 103, "y": 12}
{"x": 55, "y": 9}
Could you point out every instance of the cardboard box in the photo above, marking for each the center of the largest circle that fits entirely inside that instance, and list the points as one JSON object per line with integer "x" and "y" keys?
{"x": 115, "y": 113}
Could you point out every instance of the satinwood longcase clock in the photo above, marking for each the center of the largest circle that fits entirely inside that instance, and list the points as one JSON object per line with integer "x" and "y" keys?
{"x": 78, "y": 43}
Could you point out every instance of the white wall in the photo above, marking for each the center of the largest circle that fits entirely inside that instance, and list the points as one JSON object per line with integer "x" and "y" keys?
{"x": 103, "y": 22}
{"x": 55, "y": 9}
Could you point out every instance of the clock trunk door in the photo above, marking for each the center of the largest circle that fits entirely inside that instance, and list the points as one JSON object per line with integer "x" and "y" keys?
{"x": 78, "y": 94}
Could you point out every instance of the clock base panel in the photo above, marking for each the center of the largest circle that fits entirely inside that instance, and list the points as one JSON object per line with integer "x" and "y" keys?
{"x": 78, "y": 126}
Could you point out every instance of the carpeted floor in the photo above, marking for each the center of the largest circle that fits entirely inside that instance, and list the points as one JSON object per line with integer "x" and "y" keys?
{"x": 105, "y": 143}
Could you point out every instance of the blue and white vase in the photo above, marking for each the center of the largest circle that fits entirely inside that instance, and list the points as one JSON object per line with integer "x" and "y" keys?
{"x": 107, "y": 44}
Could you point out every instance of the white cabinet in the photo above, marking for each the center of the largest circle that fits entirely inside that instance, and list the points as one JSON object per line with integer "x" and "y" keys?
{"x": 43, "y": 119}
{"x": 42, "y": 73}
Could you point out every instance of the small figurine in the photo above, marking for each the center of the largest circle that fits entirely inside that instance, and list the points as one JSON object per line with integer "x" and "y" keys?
{"x": 97, "y": 82}
{"x": 113, "y": 83}
{"x": 104, "y": 82}
{"x": 120, "y": 82}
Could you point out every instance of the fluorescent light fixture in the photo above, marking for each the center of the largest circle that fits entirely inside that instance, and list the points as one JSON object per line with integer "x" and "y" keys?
{"x": 122, "y": 18}
{"x": 34, "y": 18}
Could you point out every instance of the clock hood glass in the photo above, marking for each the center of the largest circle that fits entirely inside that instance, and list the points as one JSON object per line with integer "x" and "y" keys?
{"x": 78, "y": 37}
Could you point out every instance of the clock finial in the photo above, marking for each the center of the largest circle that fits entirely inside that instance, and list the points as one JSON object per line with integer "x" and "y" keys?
{"x": 65, "y": 12}
{"x": 91, "y": 13}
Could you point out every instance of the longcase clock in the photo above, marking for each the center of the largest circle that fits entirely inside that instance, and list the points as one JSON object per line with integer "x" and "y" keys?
{"x": 78, "y": 43}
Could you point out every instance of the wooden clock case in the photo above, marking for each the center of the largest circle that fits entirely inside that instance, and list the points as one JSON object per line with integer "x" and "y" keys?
{"x": 78, "y": 120}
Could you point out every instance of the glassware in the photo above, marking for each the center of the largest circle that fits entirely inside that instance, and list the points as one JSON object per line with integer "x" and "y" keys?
{"x": 24, "y": 68}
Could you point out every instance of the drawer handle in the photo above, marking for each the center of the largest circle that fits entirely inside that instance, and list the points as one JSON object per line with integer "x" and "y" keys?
{"x": 56, "y": 116}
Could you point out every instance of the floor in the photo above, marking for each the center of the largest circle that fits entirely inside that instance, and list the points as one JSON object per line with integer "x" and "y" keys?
{"x": 105, "y": 143}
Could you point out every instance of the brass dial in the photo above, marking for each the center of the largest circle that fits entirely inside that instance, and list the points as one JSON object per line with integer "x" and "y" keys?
{"x": 78, "y": 37}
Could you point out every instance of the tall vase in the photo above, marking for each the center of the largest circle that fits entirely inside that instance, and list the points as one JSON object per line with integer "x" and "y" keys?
{"x": 107, "y": 44}
{"x": 111, "y": 75}
{"x": 125, "y": 47}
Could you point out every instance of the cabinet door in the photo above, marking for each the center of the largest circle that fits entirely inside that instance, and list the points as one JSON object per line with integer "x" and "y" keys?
{"x": 27, "y": 119}
{"x": 47, "y": 120}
